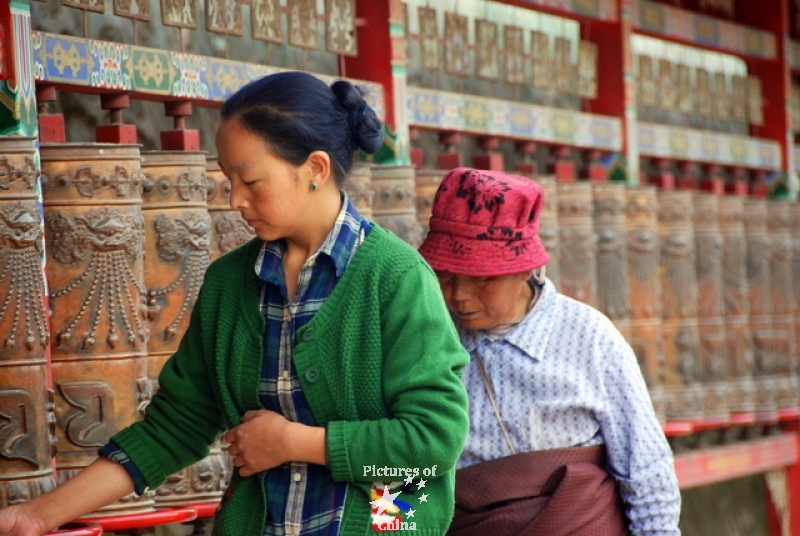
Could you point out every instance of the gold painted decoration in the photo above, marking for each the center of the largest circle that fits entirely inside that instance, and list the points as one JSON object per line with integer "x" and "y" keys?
{"x": 224, "y": 17}
{"x": 429, "y": 39}
{"x": 303, "y": 24}
{"x": 265, "y": 17}
{"x": 587, "y": 70}
{"x": 456, "y": 48}
{"x": 739, "y": 98}
{"x": 722, "y": 99}
{"x": 514, "y": 47}
{"x": 98, "y": 6}
{"x": 703, "y": 103}
{"x": 542, "y": 64}
{"x": 647, "y": 81}
{"x": 685, "y": 96}
{"x": 564, "y": 69}
{"x": 487, "y": 57}
{"x": 179, "y": 13}
{"x": 341, "y": 27}
{"x": 133, "y": 9}
{"x": 667, "y": 85}
{"x": 755, "y": 101}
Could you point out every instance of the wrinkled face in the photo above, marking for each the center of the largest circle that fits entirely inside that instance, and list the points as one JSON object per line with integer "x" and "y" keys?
{"x": 482, "y": 303}
{"x": 264, "y": 188}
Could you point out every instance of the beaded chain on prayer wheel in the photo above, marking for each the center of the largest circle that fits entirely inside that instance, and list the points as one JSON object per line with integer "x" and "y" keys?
{"x": 644, "y": 290}
{"x": 679, "y": 305}
{"x": 228, "y": 229}
{"x": 548, "y": 227}
{"x": 27, "y": 421}
{"x": 781, "y": 295}
{"x": 94, "y": 233}
{"x": 394, "y": 205}
{"x": 714, "y": 363}
{"x": 577, "y": 261}
{"x": 177, "y": 253}
{"x": 736, "y": 303}
{"x": 760, "y": 317}
{"x": 358, "y": 186}
{"x": 427, "y": 181}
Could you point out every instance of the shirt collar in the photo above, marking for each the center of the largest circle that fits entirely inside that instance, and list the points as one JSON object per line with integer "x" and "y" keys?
{"x": 337, "y": 246}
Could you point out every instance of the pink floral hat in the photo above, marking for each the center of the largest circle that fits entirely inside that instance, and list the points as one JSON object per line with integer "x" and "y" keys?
{"x": 485, "y": 223}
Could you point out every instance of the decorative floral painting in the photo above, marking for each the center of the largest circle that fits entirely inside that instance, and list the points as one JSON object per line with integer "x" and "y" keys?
{"x": 341, "y": 27}
{"x": 542, "y": 61}
{"x": 224, "y": 17}
{"x": 265, "y": 18}
{"x": 456, "y": 48}
{"x": 487, "y": 48}
{"x": 303, "y": 24}
{"x": 514, "y": 46}
{"x": 179, "y": 13}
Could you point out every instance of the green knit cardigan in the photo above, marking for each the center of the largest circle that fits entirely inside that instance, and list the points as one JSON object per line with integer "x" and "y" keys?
{"x": 380, "y": 364}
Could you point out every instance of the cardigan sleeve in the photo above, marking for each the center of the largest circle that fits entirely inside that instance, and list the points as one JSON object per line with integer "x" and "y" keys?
{"x": 422, "y": 388}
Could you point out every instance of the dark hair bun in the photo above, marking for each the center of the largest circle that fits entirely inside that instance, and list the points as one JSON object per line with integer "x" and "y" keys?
{"x": 365, "y": 127}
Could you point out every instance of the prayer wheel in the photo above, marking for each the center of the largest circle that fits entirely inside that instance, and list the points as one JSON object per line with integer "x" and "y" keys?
{"x": 679, "y": 306}
{"x": 394, "y": 205}
{"x": 358, "y": 186}
{"x": 577, "y": 262}
{"x": 795, "y": 219}
{"x": 736, "y": 303}
{"x": 644, "y": 290}
{"x": 94, "y": 233}
{"x": 228, "y": 228}
{"x": 548, "y": 227}
{"x": 27, "y": 421}
{"x": 714, "y": 364}
{"x": 783, "y": 305}
{"x": 427, "y": 181}
{"x": 758, "y": 285}
{"x": 178, "y": 237}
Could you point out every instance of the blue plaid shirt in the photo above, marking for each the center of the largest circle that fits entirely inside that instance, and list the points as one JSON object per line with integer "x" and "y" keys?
{"x": 303, "y": 498}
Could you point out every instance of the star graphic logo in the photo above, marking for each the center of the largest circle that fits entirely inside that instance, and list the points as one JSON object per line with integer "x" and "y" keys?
{"x": 409, "y": 480}
{"x": 423, "y": 498}
{"x": 386, "y": 501}
{"x": 411, "y": 513}
{"x": 420, "y": 485}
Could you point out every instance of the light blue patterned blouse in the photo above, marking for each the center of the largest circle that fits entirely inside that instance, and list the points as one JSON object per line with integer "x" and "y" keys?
{"x": 566, "y": 377}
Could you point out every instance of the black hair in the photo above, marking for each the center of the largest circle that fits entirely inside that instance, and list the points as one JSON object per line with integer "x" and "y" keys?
{"x": 297, "y": 113}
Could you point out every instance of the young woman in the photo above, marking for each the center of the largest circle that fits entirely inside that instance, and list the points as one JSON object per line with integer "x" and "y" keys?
{"x": 563, "y": 438}
{"x": 321, "y": 349}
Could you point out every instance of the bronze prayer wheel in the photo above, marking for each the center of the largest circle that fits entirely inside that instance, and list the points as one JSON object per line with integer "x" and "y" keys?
{"x": 714, "y": 360}
{"x": 94, "y": 233}
{"x": 577, "y": 261}
{"x": 679, "y": 306}
{"x": 548, "y": 227}
{"x": 644, "y": 290}
{"x": 427, "y": 181}
{"x": 612, "y": 263}
{"x": 759, "y": 253}
{"x": 27, "y": 429}
{"x": 737, "y": 307}
{"x": 228, "y": 228}
{"x": 358, "y": 186}
{"x": 783, "y": 305}
{"x": 394, "y": 205}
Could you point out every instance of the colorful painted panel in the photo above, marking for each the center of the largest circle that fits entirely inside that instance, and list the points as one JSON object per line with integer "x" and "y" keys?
{"x": 647, "y": 81}
{"x": 587, "y": 70}
{"x": 667, "y": 85}
{"x": 662, "y": 141}
{"x": 755, "y": 101}
{"x": 563, "y": 64}
{"x": 542, "y": 65}
{"x": 685, "y": 97}
{"x": 429, "y": 38}
{"x": 224, "y": 17}
{"x": 487, "y": 60}
{"x": 441, "y": 110}
{"x": 456, "y": 44}
{"x": 179, "y": 13}
{"x": 98, "y": 6}
{"x": 18, "y": 99}
{"x": 703, "y": 99}
{"x": 341, "y": 27}
{"x": 739, "y": 98}
{"x": 265, "y": 16}
{"x": 303, "y": 24}
{"x": 133, "y": 9}
{"x": 703, "y": 30}
{"x": 722, "y": 98}
{"x": 514, "y": 45}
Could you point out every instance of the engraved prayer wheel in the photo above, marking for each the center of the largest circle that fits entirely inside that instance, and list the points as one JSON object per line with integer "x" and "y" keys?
{"x": 228, "y": 229}
{"x": 27, "y": 421}
{"x": 679, "y": 306}
{"x": 94, "y": 233}
{"x": 178, "y": 238}
{"x": 714, "y": 359}
{"x": 577, "y": 261}
{"x": 394, "y": 204}
{"x": 548, "y": 227}
{"x": 736, "y": 303}
{"x": 794, "y": 213}
{"x": 612, "y": 263}
{"x": 759, "y": 253}
{"x": 644, "y": 290}
{"x": 427, "y": 181}
{"x": 783, "y": 305}
{"x": 358, "y": 186}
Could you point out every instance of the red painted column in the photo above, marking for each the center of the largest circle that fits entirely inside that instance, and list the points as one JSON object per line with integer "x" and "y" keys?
{"x": 51, "y": 126}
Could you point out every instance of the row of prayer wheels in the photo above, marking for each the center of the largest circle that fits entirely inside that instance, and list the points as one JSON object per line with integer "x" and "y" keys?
{"x": 703, "y": 287}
